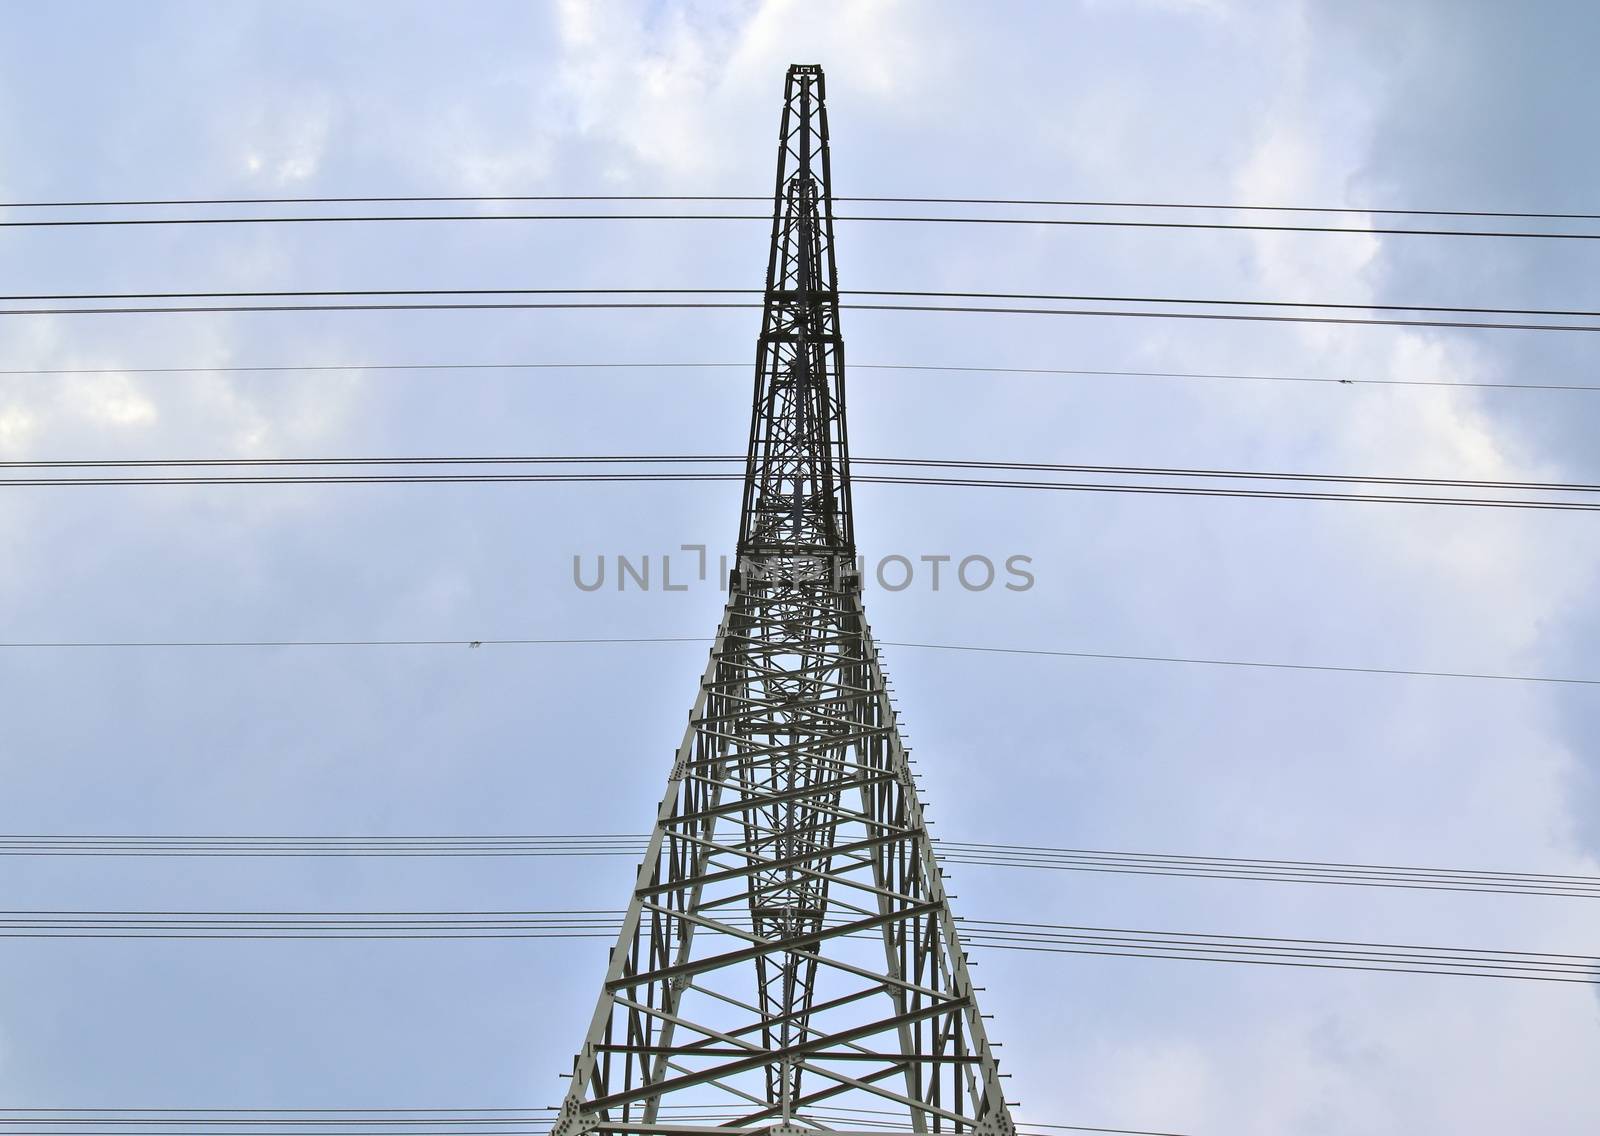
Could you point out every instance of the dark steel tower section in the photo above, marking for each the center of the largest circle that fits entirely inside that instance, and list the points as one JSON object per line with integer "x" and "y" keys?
{"x": 788, "y": 960}
{"x": 797, "y": 479}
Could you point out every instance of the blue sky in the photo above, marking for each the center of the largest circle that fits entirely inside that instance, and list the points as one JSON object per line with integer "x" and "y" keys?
{"x": 1431, "y": 105}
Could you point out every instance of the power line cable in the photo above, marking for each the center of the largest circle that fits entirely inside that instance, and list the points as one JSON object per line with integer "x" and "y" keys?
{"x": 740, "y": 459}
{"x": 1263, "y": 494}
{"x": 1543, "y": 966}
{"x": 580, "y": 477}
{"x": 370, "y": 1130}
{"x": 492, "y": 1125}
{"x": 497, "y": 1126}
{"x": 312, "y": 368}
{"x": 702, "y": 305}
{"x": 1076, "y": 222}
{"x": 41, "y": 297}
{"x": 1212, "y": 375}
{"x": 877, "y": 198}
{"x": 1479, "y": 676}
{"x": 1244, "y": 663}
{"x": 363, "y": 642}
{"x": 950, "y": 852}
{"x": 1264, "y": 951}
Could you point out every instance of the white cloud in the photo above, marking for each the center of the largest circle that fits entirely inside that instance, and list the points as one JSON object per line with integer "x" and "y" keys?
{"x": 17, "y": 426}
{"x": 661, "y": 84}
{"x": 113, "y": 400}
{"x": 284, "y": 142}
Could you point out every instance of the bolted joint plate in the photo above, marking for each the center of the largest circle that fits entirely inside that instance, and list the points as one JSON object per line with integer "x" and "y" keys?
{"x": 995, "y": 1122}
{"x": 572, "y": 1121}
{"x": 790, "y": 1130}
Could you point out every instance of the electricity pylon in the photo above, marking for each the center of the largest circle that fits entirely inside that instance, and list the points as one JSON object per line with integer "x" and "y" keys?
{"x": 788, "y": 961}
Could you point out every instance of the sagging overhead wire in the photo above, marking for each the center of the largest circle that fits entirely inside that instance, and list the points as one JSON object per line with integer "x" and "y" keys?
{"x": 562, "y": 469}
{"x": 926, "y": 219}
{"x": 713, "y": 305}
{"x": 970, "y": 853}
{"x": 969, "y": 483}
{"x": 42, "y": 297}
{"x": 956, "y": 369}
{"x": 1038, "y": 652}
{"x": 877, "y": 198}
{"x": 1271, "y": 951}
{"x": 740, "y": 459}
{"x": 571, "y": 923}
{"x": 519, "y": 1121}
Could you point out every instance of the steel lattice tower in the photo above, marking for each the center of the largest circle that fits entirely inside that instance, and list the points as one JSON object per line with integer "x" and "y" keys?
{"x": 788, "y": 959}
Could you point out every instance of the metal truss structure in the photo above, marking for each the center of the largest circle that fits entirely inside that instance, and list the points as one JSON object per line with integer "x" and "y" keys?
{"x": 789, "y": 961}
